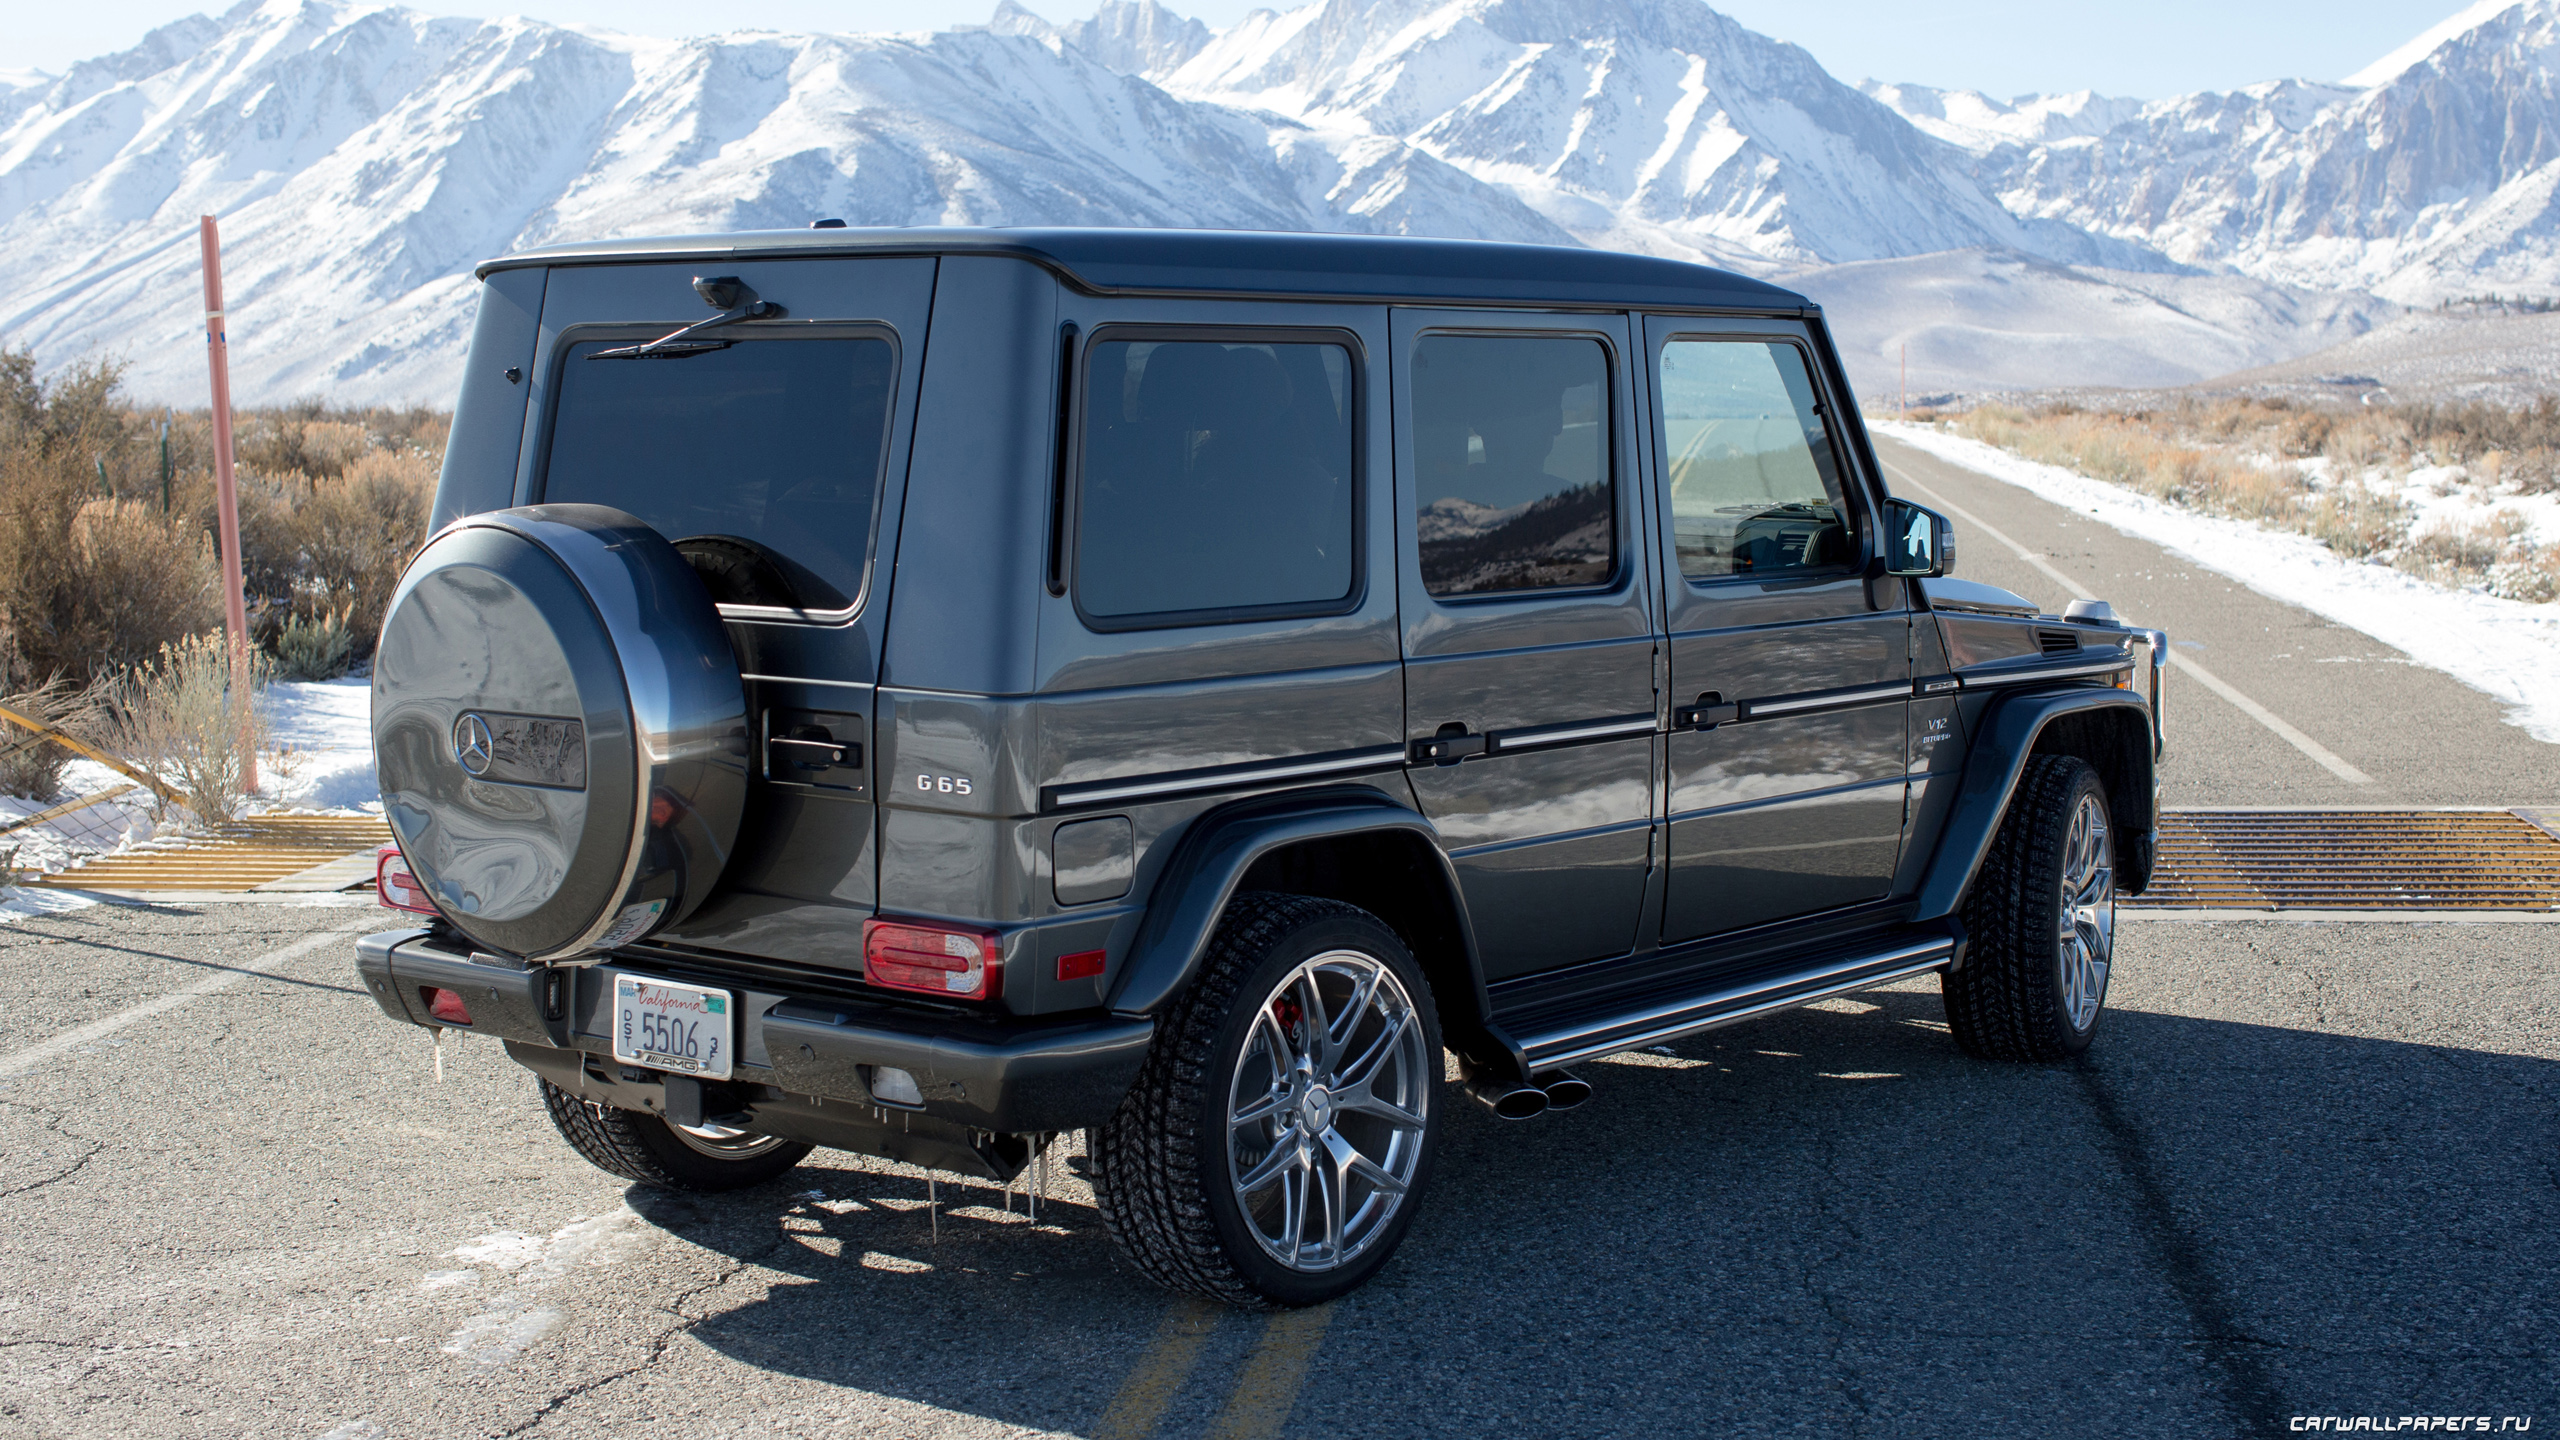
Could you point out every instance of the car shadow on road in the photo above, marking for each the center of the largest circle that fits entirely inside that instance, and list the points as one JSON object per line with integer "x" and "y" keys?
{"x": 1818, "y": 1219}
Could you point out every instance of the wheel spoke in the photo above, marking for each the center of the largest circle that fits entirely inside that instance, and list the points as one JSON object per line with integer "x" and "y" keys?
{"x": 1364, "y": 1069}
{"x": 1289, "y": 1153}
{"x": 1338, "y": 1036}
{"x": 1317, "y": 1021}
{"x": 1348, "y": 1161}
{"x": 1257, "y": 1110}
{"x": 1329, "y": 1180}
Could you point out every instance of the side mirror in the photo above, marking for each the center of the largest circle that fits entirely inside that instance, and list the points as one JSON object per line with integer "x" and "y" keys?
{"x": 1917, "y": 540}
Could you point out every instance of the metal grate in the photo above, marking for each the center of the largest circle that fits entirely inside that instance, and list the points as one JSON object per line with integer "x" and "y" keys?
{"x": 240, "y": 857}
{"x": 2354, "y": 860}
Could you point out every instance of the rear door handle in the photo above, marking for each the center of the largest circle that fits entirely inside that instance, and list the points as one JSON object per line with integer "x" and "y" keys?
{"x": 1445, "y": 749}
{"x": 1710, "y": 712}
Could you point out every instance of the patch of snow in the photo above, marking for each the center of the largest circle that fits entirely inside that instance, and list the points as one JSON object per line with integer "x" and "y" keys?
{"x": 325, "y": 730}
{"x": 514, "y": 1320}
{"x": 2502, "y": 648}
{"x": 19, "y": 903}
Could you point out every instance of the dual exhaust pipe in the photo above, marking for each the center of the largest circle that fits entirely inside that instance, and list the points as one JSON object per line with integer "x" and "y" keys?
{"x": 1546, "y": 1090}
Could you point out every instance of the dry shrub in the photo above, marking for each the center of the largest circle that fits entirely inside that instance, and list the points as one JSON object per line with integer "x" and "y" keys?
{"x": 180, "y": 717}
{"x": 88, "y": 585}
{"x": 357, "y": 533}
{"x": 2125, "y": 451}
{"x": 2357, "y": 522}
{"x": 317, "y": 647}
{"x": 2533, "y": 577}
{"x": 31, "y": 765}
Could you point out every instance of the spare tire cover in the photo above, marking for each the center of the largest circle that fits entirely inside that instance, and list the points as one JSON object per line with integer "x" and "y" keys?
{"x": 559, "y": 730}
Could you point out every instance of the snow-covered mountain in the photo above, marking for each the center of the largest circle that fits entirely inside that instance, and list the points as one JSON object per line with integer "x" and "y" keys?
{"x": 362, "y": 156}
{"x": 2430, "y": 173}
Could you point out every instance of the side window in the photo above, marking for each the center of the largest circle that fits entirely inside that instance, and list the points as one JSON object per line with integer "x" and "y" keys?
{"x": 1754, "y": 484}
{"x": 1216, "y": 477}
{"x": 1511, "y": 457}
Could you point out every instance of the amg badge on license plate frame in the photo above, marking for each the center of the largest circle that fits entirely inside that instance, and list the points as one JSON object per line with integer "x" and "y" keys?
{"x": 667, "y": 1026}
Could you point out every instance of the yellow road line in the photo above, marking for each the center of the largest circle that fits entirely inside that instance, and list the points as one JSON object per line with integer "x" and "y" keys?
{"x": 1268, "y": 1390}
{"x": 1160, "y": 1372}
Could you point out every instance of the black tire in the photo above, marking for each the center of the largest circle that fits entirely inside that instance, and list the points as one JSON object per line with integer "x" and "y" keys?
{"x": 1160, "y": 1165}
{"x": 2016, "y": 994}
{"x": 649, "y": 1150}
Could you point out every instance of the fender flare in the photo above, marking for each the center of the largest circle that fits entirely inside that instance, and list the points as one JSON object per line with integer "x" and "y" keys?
{"x": 1999, "y": 756}
{"x": 1192, "y": 892}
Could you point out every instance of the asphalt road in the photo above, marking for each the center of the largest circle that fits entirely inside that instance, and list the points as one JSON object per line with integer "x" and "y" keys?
{"x": 2310, "y": 1169}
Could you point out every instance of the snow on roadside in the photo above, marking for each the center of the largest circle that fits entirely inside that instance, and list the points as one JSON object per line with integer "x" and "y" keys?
{"x": 323, "y": 733}
{"x": 2506, "y": 649}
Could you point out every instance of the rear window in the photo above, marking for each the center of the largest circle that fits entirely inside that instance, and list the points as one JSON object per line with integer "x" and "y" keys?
{"x": 1216, "y": 481}
{"x": 759, "y": 458}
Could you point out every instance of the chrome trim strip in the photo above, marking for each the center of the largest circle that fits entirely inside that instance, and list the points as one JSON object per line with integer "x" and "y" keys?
{"x": 1566, "y": 734}
{"x": 805, "y": 680}
{"x": 1754, "y": 709}
{"x": 1059, "y": 797}
{"x": 1678, "y": 1018}
{"x": 2122, "y": 661}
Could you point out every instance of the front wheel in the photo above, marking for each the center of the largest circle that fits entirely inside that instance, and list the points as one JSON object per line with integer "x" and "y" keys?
{"x": 2042, "y": 921}
{"x": 1280, "y": 1135}
{"x": 702, "y": 1159}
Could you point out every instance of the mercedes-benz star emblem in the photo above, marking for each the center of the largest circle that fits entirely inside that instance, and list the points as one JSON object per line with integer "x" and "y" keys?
{"x": 473, "y": 745}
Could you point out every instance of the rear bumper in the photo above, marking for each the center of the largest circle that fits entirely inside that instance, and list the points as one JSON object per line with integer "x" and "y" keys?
{"x": 998, "y": 1078}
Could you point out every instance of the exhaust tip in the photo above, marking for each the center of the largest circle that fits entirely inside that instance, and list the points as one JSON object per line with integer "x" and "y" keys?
{"x": 1511, "y": 1102}
{"x": 1563, "y": 1088}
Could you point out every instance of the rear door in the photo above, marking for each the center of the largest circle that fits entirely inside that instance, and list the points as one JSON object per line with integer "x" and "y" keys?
{"x": 1528, "y": 632}
{"x": 769, "y": 453}
{"x": 1790, "y": 669}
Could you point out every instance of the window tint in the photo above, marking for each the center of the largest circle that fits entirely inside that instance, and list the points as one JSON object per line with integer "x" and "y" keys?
{"x": 1752, "y": 480}
{"x": 759, "y": 458}
{"x": 1216, "y": 477}
{"x": 1511, "y": 454}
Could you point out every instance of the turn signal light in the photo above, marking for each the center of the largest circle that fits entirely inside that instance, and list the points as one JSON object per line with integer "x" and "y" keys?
{"x": 933, "y": 959}
{"x": 447, "y": 1006}
{"x": 396, "y": 885}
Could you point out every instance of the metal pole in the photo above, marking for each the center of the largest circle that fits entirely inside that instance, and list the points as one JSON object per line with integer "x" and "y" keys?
{"x": 226, "y": 489}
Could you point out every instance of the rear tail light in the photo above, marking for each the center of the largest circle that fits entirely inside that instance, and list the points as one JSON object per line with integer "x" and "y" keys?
{"x": 933, "y": 959}
{"x": 447, "y": 1006}
{"x": 396, "y": 885}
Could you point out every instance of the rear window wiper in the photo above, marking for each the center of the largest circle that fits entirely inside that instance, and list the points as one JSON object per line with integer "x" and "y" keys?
{"x": 728, "y": 294}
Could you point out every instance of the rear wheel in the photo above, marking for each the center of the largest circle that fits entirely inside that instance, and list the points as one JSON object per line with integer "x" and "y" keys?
{"x": 2041, "y": 918}
{"x": 1280, "y": 1135}
{"x": 652, "y": 1151}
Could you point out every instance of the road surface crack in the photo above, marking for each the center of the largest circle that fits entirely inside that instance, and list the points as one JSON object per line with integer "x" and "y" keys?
{"x": 53, "y": 1122}
{"x": 658, "y": 1345}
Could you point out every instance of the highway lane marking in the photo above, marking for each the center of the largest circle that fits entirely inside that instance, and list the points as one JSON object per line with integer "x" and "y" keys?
{"x": 1268, "y": 1389}
{"x": 1158, "y": 1377}
{"x": 2320, "y": 754}
{"x": 43, "y": 1052}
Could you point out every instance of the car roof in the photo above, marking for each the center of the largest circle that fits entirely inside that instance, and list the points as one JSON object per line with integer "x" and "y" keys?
{"x": 1244, "y": 262}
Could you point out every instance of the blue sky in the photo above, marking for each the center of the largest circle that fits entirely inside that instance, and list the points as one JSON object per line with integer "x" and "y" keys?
{"x": 2146, "y": 48}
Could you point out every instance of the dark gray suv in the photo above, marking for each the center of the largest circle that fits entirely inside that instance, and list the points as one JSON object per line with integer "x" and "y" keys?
{"x": 967, "y": 686}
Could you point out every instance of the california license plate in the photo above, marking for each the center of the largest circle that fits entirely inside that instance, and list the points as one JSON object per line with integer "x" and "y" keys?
{"x": 666, "y": 1026}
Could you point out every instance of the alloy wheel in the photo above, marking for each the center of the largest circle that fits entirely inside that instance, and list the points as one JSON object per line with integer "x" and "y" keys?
{"x": 1326, "y": 1110}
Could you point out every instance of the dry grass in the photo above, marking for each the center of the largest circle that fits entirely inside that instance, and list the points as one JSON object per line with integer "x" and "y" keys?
{"x": 2330, "y": 474}
{"x": 31, "y": 766}
{"x": 180, "y": 717}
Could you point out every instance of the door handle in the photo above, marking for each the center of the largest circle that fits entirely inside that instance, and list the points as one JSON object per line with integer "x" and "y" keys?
{"x": 1710, "y": 712}
{"x": 1445, "y": 749}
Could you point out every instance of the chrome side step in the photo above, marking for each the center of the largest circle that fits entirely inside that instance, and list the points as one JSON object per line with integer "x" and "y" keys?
{"x": 1669, "y": 1020}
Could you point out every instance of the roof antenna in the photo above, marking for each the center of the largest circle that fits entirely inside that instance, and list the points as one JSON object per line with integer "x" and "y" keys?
{"x": 826, "y": 224}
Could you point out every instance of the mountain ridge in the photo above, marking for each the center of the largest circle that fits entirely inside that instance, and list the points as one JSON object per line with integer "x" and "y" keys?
{"x": 363, "y": 156}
